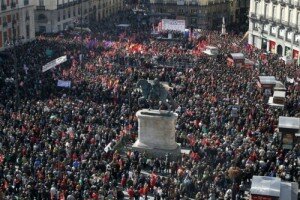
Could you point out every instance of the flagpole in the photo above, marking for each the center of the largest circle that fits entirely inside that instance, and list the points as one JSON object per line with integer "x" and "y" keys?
{"x": 81, "y": 33}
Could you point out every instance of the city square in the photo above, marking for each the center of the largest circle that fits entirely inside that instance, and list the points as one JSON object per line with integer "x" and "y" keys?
{"x": 128, "y": 104}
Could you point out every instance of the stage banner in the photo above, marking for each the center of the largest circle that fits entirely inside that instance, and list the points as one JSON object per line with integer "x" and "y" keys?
{"x": 173, "y": 25}
{"x": 54, "y": 63}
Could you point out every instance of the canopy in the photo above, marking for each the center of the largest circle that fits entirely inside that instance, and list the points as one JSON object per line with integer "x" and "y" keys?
{"x": 289, "y": 122}
{"x": 279, "y": 86}
{"x": 237, "y": 56}
{"x": 265, "y": 185}
{"x": 288, "y": 191}
{"x": 212, "y": 51}
{"x": 266, "y": 80}
{"x": 279, "y": 94}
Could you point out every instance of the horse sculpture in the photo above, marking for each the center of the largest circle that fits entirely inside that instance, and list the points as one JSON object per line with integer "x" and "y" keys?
{"x": 154, "y": 93}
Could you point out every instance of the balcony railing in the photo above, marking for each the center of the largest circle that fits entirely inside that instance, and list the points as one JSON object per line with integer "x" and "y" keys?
{"x": 40, "y": 7}
{"x": 3, "y": 7}
{"x": 285, "y": 23}
{"x": 13, "y": 4}
{"x": 252, "y": 16}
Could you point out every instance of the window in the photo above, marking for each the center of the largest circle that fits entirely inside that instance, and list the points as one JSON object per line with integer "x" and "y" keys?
{"x": 290, "y": 17}
{"x": 26, "y": 2}
{"x": 79, "y": 10}
{"x": 58, "y": 16}
{"x": 41, "y": 3}
{"x": 256, "y": 8}
{"x": 193, "y": 20}
{"x": 74, "y": 12}
{"x": 5, "y": 36}
{"x": 266, "y": 10}
{"x": 69, "y": 13}
{"x": 64, "y": 14}
{"x": 4, "y": 21}
{"x": 193, "y": 11}
{"x": 282, "y": 14}
{"x": 273, "y": 12}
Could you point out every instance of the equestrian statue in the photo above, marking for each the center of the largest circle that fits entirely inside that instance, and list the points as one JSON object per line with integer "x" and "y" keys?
{"x": 155, "y": 95}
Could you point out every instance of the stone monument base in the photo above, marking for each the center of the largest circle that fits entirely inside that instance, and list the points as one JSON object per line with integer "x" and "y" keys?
{"x": 158, "y": 153}
{"x": 156, "y": 134}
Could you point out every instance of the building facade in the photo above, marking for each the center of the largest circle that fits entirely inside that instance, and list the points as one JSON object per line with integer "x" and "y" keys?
{"x": 274, "y": 25}
{"x": 58, "y": 15}
{"x": 204, "y": 14}
{"x": 16, "y": 22}
{"x": 239, "y": 10}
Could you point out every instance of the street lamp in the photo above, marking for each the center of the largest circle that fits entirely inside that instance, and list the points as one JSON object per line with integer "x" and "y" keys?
{"x": 15, "y": 59}
{"x": 81, "y": 33}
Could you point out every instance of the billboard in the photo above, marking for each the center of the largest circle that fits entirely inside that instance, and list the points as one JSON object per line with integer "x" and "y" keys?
{"x": 173, "y": 25}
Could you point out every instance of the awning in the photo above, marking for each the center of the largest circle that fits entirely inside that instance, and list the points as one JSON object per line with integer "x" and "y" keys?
{"x": 267, "y": 80}
{"x": 265, "y": 185}
{"x": 289, "y": 122}
{"x": 237, "y": 56}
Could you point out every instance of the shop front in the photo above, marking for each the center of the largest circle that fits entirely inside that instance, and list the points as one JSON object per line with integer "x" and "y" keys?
{"x": 272, "y": 46}
{"x": 295, "y": 54}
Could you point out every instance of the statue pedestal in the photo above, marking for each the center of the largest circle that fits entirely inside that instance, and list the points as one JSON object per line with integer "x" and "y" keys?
{"x": 156, "y": 133}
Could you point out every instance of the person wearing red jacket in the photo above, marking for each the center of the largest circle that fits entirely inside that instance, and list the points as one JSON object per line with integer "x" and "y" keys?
{"x": 130, "y": 192}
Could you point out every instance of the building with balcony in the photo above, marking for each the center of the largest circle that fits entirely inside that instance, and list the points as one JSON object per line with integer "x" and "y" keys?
{"x": 16, "y": 22}
{"x": 58, "y": 15}
{"x": 204, "y": 14}
{"x": 274, "y": 25}
{"x": 239, "y": 10}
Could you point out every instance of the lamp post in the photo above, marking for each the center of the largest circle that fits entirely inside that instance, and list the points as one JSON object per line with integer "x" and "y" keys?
{"x": 15, "y": 59}
{"x": 81, "y": 33}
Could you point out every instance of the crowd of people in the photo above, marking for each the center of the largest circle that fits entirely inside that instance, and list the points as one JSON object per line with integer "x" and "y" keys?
{"x": 54, "y": 140}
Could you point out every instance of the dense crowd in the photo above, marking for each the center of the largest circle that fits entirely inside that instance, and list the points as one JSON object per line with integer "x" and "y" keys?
{"x": 54, "y": 142}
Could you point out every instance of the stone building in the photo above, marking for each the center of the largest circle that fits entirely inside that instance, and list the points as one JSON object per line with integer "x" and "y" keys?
{"x": 274, "y": 25}
{"x": 204, "y": 14}
{"x": 16, "y": 22}
{"x": 58, "y": 15}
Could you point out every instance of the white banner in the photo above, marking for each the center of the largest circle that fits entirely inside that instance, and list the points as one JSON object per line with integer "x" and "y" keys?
{"x": 54, "y": 63}
{"x": 173, "y": 25}
{"x": 65, "y": 84}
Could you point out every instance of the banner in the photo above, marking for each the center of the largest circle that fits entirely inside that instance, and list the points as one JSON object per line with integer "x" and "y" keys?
{"x": 173, "y": 25}
{"x": 54, "y": 63}
{"x": 65, "y": 84}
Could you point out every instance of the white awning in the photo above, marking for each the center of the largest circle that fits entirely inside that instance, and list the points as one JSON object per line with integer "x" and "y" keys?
{"x": 265, "y": 185}
{"x": 267, "y": 80}
{"x": 289, "y": 122}
{"x": 237, "y": 56}
{"x": 279, "y": 94}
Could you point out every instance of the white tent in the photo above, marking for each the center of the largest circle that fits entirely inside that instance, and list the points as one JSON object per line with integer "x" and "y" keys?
{"x": 265, "y": 185}
{"x": 274, "y": 187}
{"x": 289, "y": 122}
